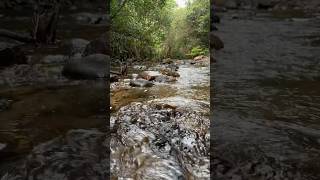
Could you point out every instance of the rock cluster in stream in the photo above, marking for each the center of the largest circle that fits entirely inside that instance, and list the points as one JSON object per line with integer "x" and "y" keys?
{"x": 155, "y": 140}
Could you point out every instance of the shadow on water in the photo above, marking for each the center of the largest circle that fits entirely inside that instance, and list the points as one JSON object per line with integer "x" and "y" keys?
{"x": 36, "y": 114}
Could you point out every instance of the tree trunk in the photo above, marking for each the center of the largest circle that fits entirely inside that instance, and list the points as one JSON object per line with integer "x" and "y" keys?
{"x": 45, "y": 21}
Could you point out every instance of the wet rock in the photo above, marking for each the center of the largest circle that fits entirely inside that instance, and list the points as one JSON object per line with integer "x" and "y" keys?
{"x": 12, "y": 55}
{"x": 97, "y": 46}
{"x": 81, "y": 153}
{"x": 89, "y": 67}
{"x": 149, "y": 75}
{"x": 215, "y": 42}
{"x": 75, "y": 46}
{"x": 175, "y": 141}
{"x": 140, "y": 83}
{"x": 169, "y": 72}
{"x": 54, "y": 59}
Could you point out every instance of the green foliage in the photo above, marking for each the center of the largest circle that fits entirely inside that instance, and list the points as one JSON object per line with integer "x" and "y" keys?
{"x": 196, "y": 51}
{"x": 139, "y": 27}
{"x": 189, "y": 29}
{"x": 156, "y": 29}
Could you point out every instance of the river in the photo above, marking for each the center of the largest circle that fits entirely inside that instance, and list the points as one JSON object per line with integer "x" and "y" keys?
{"x": 163, "y": 131}
{"x": 267, "y": 95}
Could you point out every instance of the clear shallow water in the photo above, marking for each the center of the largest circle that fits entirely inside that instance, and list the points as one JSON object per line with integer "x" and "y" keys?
{"x": 166, "y": 134}
{"x": 266, "y": 92}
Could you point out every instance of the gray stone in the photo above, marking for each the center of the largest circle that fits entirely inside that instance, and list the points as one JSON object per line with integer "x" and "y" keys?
{"x": 89, "y": 67}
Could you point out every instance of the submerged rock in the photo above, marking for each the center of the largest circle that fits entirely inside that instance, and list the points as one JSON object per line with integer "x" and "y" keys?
{"x": 89, "y": 67}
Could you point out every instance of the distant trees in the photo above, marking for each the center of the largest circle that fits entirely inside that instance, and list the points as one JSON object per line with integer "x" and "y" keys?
{"x": 153, "y": 29}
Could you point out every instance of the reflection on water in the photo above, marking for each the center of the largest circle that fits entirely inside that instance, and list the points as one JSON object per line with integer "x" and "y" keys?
{"x": 267, "y": 93}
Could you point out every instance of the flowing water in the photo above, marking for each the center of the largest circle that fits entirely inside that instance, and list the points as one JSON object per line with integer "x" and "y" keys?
{"x": 164, "y": 131}
{"x": 267, "y": 93}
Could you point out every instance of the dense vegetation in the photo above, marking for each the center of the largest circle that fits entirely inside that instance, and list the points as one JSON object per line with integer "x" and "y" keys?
{"x": 156, "y": 29}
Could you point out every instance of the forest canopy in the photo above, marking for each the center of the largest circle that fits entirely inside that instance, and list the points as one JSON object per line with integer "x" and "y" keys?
{"x": 156, "y": 29}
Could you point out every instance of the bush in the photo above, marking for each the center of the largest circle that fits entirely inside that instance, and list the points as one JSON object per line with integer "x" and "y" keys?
{"x": 196, "y": 51}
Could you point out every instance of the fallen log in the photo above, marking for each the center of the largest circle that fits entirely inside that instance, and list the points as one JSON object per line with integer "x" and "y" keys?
{"x": 16, "y": 36}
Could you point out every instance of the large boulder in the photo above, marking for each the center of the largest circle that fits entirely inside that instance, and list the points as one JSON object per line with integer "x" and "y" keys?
{"x": 90, "y": 67}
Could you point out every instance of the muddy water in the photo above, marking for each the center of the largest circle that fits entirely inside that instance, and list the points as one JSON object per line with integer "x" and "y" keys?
{"x": 163, "y": 131}
{"x": 267, "y": 92}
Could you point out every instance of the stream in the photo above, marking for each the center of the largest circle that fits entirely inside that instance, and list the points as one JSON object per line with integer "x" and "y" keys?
{"x": 162, "y": 132}
{"x": 266, "y": 97}
{"x": 42, "y": 111}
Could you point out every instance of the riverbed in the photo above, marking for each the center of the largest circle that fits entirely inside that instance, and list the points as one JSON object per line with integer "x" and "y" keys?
{"x": 266, "y": 99}
{"x": 163, "y": 131}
